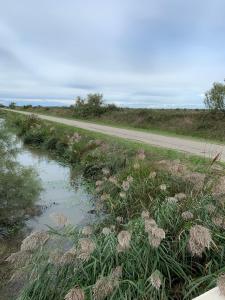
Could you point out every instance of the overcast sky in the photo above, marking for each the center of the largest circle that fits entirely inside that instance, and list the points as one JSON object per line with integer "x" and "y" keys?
{"x": 139, "y": 53}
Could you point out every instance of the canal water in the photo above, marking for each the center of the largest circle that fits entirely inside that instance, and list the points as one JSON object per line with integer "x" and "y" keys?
{"x": 63, "y": 193}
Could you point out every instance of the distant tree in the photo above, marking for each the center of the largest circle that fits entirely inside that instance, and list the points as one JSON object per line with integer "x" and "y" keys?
{"x": 215, "y": 97}
{"x": 28, "y": 106}
{"x": 12, "y": 105}
{"x": 95, "y": 100}
{"x": 93, "y": 105}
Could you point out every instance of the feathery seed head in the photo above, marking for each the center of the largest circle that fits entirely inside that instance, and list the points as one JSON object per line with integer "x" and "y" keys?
{"x": 156, "y": 279}
{"x": 219, "y": 221}
{"x": 124, "y": 238}
{"x": 141, "y": 154}
{"x": 145, "y": 214}
{"x": 122, "y": 195}
{"x": 158, "y": 233}
{"x": 210, "y": 208}
{"x": 126, "y": 185}
{"x": 152, "y": 174}
{"x": 187, "y": 215}
{"x": 105, "y": 286}
{"x": 113, "y": 180}
{"x": 75, "y": 294}
{"x": 87, "y": 230}
{"x": 86, "y": 248}
{"x": 105, "y": 171}
{"x": 199, "y": 240}
{"x": 20, "y": 258}
{"x": 34, "y": 240}
{"x": 119, "y": 219}
{"x": 136, "y": 166}
{"x": 98, "y": 189}
{"x": 153, "y": 241}
{"x": 105, "y": 197}
{"x": 149, "y": 225}
{"x": 102, "y": 288}
{"x": 130, "y": 179}
{"x": 163, "y": 187}
{"x": 67, "y": 258}
{"x": 112, "y": 227}
{"x": 180, "y": 196}
{"x": 106, "y": 231}
{"x": 221, "y": 284}
{"x": 55, "y": 257}
{"x": 171, "y": 200}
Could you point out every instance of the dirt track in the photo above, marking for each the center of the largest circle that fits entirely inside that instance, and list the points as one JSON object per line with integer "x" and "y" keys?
{"x": 201, "y": 148}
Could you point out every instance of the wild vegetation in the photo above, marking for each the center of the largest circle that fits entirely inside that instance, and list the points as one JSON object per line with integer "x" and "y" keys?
{"x": 162, "y": 235}
{"x": 215, "y": 97}
{"x": 206, "y": 124}
{"x": 19, "y": 189}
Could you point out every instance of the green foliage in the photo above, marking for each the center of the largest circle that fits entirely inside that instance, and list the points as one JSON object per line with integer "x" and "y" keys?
{"x": 92, "y": 106}
{"x": 12, "y": 105}
{"x": 28, "y": 106}
{"x": 182, "y": 275}
{"x": 190, "y": 122}
{"x": 106, "y": 166}
{"x": 215, "y": 97}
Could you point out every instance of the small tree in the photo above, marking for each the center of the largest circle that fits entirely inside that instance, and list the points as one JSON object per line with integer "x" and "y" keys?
{"x": 12, "y": 105}
{"x": 93, "y": 105}
{"x": 215, "y": 97}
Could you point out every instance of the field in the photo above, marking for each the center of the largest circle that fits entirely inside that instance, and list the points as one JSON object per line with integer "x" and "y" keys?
{"x": 139, "y": 249}
{"x": 197, "y": 123}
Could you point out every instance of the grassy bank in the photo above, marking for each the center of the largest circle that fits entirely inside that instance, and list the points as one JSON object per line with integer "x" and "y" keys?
{"x": 163, "y": 232}
{"x": 193, "y": 123}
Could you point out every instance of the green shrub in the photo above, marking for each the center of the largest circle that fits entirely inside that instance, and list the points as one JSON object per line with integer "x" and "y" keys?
{"x": 215, "y": 98}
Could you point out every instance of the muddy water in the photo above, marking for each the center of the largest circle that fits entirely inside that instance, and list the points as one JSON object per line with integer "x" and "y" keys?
{"x": 63, "y": 192}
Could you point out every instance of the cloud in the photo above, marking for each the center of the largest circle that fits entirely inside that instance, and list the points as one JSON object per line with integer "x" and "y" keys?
{"x": 148, "y": 53}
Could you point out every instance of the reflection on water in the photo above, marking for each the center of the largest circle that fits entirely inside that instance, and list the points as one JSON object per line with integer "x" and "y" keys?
{"x": 63, "y": 192}
{"x": 58, "y": 195}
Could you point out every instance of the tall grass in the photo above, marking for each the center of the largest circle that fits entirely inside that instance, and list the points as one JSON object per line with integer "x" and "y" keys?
{"x": 163, "y": 227}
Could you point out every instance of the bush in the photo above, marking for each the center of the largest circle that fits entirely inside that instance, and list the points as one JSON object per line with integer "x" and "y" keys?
{"x": 12, "y": 105}
{"x": 92, "y": 106}
{"x": 215, "y": 97}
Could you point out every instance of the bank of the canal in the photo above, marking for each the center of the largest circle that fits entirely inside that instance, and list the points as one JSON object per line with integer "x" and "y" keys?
{"x": 140, "y": 251}
{"x": 64, "y": 196}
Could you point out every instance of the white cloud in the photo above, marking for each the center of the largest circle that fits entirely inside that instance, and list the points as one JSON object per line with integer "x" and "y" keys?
{"x": 137, "y": 53}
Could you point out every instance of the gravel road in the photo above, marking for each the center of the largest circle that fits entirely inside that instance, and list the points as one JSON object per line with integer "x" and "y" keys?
{"x": 201, "y": 148}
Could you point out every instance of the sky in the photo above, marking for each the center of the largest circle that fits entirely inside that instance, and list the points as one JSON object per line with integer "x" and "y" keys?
{"x": 137, "y": 53}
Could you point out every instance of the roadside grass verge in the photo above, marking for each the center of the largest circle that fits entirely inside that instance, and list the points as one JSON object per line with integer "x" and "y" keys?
{"x": 162, "y": 236}
{"x": 197, "y": 124}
